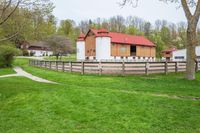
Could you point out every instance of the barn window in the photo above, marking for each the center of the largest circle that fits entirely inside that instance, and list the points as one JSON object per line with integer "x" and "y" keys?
{"x": 198, "y": 57}
{"x": 133, "y": 50}
{"x": 180, "y": 57}
{"x": 123, "y": 49}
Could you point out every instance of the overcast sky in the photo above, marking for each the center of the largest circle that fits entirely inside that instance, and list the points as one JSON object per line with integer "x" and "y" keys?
{"x": 149, "y": 10}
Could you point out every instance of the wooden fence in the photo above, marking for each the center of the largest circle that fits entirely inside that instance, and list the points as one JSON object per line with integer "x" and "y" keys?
{"x": 119, "y": 68}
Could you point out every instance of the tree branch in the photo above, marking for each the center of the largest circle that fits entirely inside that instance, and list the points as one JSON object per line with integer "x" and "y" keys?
{"x": 10, "y": 14}
{"x": 197, "y": 11}
{"x": 5, "y": 39}
{"x": 186, "y": 9}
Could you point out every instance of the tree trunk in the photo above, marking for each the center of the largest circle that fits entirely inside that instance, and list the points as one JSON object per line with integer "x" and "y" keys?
{"x": 191, "y": 51}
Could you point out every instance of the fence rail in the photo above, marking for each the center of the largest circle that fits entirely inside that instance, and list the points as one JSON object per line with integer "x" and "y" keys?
{"x": 119, "y": 68}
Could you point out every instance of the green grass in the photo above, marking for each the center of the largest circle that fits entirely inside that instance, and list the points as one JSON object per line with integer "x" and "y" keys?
{"x": 64, "y": 58}
{"x": 100, "y": 104}
{"x": 5, "y": 71}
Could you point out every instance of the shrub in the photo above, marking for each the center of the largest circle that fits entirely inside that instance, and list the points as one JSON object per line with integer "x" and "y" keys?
{"x": 7, "y": 53}
{"x": 25, "y": 52}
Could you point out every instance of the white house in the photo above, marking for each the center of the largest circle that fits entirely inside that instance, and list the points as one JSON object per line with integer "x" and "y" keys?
{"x": 102, "y": 45}
{"x": 36, "y": 48}
{"x": 180, "y": 55}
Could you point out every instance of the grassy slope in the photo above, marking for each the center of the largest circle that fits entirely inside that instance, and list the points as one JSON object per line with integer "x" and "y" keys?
{"x": 5, "y": 71}
{"x": 98, "y": 104}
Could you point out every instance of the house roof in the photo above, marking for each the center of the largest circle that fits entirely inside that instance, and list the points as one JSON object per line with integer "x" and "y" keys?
{"x": 122, "y": 38}
{"x": 169, "y": 50}
{"x": 81, "y": 37}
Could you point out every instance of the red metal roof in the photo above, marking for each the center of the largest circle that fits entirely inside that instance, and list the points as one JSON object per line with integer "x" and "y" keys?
{"x": 81, "y": 37}
{"x": 129, "y": 39}
{"x": 122, "y": 38}
{"x": 169, "y": 50}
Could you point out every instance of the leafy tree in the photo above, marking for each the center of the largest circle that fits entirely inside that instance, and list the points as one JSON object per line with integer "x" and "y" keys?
{"x": 160, "y": 45}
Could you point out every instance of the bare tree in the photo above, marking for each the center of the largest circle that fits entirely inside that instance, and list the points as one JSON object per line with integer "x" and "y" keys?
{"x": 192, "y": 19}
{"x": 60, "y": 45}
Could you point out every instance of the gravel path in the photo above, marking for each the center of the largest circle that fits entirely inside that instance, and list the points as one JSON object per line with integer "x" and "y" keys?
{"x": 21, "y": 72}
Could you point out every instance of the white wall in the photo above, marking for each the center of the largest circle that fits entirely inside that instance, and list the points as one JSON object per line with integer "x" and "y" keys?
{"x": 182, "y": 53}
{"x": 103, "y": 48}
{"x": 80, "y": 48}
{"x": 39, "y": 53}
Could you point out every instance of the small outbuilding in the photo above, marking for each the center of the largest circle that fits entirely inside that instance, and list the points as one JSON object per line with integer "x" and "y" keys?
{"x": 181, "y": 55}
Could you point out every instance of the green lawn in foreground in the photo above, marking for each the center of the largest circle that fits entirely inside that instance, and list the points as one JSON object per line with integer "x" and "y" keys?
{"x": 5, "y": 71}
{"x": 105, "y": 104}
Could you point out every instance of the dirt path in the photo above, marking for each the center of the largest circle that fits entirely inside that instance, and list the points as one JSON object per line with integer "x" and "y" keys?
{"x": 21, "y": 72}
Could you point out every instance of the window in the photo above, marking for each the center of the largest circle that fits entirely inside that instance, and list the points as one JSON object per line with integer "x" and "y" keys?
{"x": 94, "y": 50}
{"x": 180, "y": 57}
{"x": 133, "y": 50}
{"x": 134, "y": 58}
{"x": 198, "y": 57}
{"x": 122, "y": 57}
{"x": 123, "y": 49}
{"x": 94, "y": 58}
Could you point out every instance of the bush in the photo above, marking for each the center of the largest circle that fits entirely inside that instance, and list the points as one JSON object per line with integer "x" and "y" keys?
{"x": 7, "y": 53}
{"x": 25, "y": 52}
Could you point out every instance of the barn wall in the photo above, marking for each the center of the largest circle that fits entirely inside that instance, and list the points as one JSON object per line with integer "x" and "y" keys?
{"x": 144, "y": 51}
{"x": 120, "y": 50}
{"x": 90, "y": 45}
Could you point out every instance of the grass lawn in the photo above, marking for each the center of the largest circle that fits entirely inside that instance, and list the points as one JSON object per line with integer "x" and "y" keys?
{"x": 100, "y": 104}
{"x": 64, "y": 58}
{"x": 5, "y": 71}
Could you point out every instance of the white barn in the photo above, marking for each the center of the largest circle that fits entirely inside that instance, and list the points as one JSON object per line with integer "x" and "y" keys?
{"x": 180, "y": 55}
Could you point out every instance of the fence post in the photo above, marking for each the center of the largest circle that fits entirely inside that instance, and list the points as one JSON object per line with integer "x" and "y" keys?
{"x": 176, "y": 67}
{"x": 50, "y": 64}
{"x": 147, "y": 68}
{"x": 70, "y": 66}
{"x": 41, "y": 63}
{"x": 166, "y": 67}
{"x": 45, "y": 64}
{"x": 123, "y": 68}
{"x": 56, "y": 65}
{"x": 100, "y": 68}
{"x": 197, "y": 66}
{"x": 82, "y": 67}
{"x": 63, "y": 66}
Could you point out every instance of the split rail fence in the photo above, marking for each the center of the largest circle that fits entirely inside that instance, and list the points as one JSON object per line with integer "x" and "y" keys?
{"x": 118, "y": 68}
